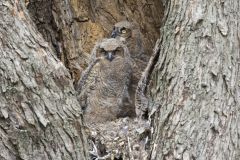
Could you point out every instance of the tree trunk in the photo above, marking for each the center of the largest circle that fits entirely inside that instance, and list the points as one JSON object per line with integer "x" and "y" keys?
{"x": 193, "y": 87}
{"x": 40, "y": 117}
{"x": 59, "y": 26}
{"x": 195, "y": 82}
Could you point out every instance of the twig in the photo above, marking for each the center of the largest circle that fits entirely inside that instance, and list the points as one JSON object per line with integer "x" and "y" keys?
{"x": 130, "y": 150}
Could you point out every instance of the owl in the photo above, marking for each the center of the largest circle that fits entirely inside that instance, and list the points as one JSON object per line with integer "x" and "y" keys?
{"x": 129, "y": 33}
{"x": 104, "y": 85}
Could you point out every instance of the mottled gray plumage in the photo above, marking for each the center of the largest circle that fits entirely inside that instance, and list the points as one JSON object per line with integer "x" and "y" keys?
{"x": 129, "y": 33}
{"x": 103, "y": 86}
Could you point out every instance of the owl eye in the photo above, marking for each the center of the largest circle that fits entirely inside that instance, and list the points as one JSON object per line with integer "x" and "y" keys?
{"x": 114, "y": 53}
{"x": 123, "y": 30}
{"x": 105, "y": 53}
{"x": 118, "y": 51}
{"x": 102, "y": 52}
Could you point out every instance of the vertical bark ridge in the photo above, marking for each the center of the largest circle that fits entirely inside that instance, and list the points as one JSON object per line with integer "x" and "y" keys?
{"x": 39, "y": 113}
{"x": 196, "y": 82}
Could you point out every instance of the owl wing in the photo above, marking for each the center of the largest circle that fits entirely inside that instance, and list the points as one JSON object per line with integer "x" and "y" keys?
{"x": 124, "y": 99}
{"x": 141, "y": 100}
{"x": 85, "y": 76}
{"x": 86, "y": 84}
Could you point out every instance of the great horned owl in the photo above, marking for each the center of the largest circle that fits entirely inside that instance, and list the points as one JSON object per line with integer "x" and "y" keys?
{"x": 104, "y": 84}
{"x": 129, "y": 33}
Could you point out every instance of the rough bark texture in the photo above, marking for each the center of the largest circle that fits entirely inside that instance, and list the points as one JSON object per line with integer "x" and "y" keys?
{"x": 59, "y": 26}
{"x": 73, "y": 26}
{"x": 40, "y": 117}
{"x": 196, "y": 82}
{"x": 194, "y": 75}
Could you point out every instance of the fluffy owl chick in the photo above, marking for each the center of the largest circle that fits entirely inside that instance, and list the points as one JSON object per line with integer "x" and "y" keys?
{"x": 104, "y": 85}
{"x": 129, "y": 33}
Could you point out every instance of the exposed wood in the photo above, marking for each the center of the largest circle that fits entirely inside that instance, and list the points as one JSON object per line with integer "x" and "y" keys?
{"x": 74, "y": 26}
{"x": 190, "y": 88}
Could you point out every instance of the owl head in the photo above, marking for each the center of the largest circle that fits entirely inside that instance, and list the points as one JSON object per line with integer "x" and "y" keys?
{"x": 123, "y": 30}
{"x": 110, "y": 50}
{"x": 129, "y": 33}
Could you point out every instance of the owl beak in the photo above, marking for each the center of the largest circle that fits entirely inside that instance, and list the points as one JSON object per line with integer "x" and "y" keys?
{"x": 114, "y": 34}
{"x": 110, "y": 56}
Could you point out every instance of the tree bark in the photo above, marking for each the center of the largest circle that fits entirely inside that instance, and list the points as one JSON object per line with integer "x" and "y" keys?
{"x": 193, "y": 89}
{"x": 59, "y": 26}
{"x": 195, "y": 82}
{"x": 40, "y": 117}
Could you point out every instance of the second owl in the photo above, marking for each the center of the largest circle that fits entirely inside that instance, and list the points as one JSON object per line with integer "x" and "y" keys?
{"x": 104, "y": 85}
